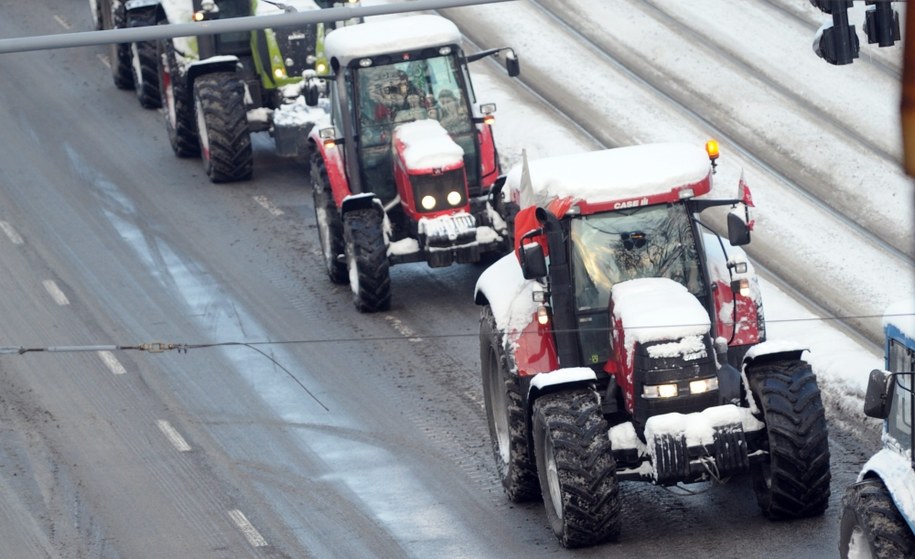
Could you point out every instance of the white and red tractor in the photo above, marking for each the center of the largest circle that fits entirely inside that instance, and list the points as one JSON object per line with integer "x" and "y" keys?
{"x": 403, "y": 168}
{"x": 623, "y": 340}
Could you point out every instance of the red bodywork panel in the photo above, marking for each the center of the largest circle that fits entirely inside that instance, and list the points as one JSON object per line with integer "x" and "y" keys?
{"x": 536, "y": 351}
{"x": 747, "y": 316}
{"x": 489, "y": 164}
{"x": 619, "y": 363}
{"x": 333, "y": 162}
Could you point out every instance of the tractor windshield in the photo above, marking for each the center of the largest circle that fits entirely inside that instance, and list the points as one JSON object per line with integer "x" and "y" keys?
{"x": 645, "y": 242}
{"x": 414, "y": 89}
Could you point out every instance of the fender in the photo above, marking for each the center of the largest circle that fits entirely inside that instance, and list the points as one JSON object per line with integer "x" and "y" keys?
{"x": 225, "y": 63}
{"x": 132, "y": 5}
{"x": 333, "y": 163}
{"x": 896, "y": 473}
{"x": 547, "y": 382}
{"x": 773, "y": 351}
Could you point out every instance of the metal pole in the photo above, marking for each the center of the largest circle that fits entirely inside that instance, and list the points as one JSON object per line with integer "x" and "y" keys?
{"x": 157, "y": 32}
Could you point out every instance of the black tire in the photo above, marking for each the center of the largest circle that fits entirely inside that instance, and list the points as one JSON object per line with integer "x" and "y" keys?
{"x": 367, "y": 260}
{"x": 794, "y": 481}
{"x": 177, "y": 102}
{"x": 505, "y": 413}
{"x": 872, "y": 523}
{"x": 330, "y": 226}
{"x": 577, "y": 471}
{"x": 144, "y": 64}
{"x": 119, "y": 53}
{"x": 222, "y": 127}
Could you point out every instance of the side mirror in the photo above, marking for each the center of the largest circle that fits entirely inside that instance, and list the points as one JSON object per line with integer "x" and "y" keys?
{"x": 879, "y": 395}
{"x": 512, "y": 65}
{"x": 738, "y": 231}
{"x": 533, "y": 262}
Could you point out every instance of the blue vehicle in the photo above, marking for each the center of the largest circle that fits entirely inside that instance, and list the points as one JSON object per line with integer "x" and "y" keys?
{"x": 878, "y": 518}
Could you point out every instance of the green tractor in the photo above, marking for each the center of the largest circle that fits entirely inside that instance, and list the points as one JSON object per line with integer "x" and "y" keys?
{"x": 217, "y": 89}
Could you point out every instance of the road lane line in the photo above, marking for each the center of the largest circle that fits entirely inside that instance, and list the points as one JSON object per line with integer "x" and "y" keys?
{"x": 55, "y": 292}
{"x": 104, "y": 60}
{"x": 403, "y": 329}
{"x": 112, "y": 362}
{"x": 173, "y": 436}
{"x": 11, "y": 233}
{"x": 62, "y": 22}
{"x": 268, "y": 205}
{"x": 251, "y": 534}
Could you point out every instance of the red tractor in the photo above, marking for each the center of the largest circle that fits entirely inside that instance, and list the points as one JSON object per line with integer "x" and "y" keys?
{"x": 403, "y": 169}
{"x": 623, "y": 341}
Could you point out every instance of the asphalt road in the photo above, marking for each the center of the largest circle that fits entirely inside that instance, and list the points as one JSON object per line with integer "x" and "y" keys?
{"x": 363, "y": 436}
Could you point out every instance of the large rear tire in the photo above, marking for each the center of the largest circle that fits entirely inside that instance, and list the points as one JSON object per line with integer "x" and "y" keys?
{"x": 330, "y": 226}
{"x": 144, "y": 64}
{"x": 794, "y": 481}
{"x": 177, "y": 102}
{"x": 871, "y": 525}
{"x": 505, "y": 414}
{"x": 222, "y": 127}
{"x": 577, "y": 471}
{"x": 367, "y": 260}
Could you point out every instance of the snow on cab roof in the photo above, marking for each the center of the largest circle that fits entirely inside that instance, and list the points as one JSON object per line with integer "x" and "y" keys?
{"x": 391, "y": 35}
{"x": 901, "y": 315}
{"x": 613, "y": 174}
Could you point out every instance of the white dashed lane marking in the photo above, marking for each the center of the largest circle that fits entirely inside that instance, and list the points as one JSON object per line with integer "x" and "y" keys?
{"x": 63, "y": 23}
{"x": 268, "y": 205}
{"x": 251, "y": 534}
{"x": 104, "y": 60}
{"x": 112, "y": 362}
{"x": 55, "y": 292}
{"x": 173, "y": 436}
{"x": 11, "y": 233}
{"x": 403, "y": 329}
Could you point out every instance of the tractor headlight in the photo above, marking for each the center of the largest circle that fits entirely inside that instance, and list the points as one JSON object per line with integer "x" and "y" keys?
{"x": 428, "y": 202}
{"x": 703, "y": 386}
{"x": 279, "y": 73}
{"x": 659, "y": 391}
{"x": 454, "y": 198}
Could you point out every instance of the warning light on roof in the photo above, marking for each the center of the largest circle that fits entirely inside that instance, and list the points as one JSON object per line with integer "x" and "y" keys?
{"x": 711, "y": 148}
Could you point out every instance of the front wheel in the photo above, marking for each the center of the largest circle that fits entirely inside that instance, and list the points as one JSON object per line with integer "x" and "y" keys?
{"x": 330, "y": 227}
{"x": 505, "y": 414}
{"x": 145, "y": 64}
{"x": 119, "y": 53}
{"x": 222, "y": 127}
{"x": 871, "y": 525}
{"x": 177, "y": 102}
{"x": 367, "y": 260}
{"x": 793, "y": 482}
{"x": 577, "y": 471}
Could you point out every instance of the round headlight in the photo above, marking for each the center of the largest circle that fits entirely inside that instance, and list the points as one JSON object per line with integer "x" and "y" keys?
{"x": 428, "y": 202}
{"x": 454, "y": 198}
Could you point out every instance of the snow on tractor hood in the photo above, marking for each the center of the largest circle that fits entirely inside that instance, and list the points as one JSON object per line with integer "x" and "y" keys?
{"x": 629, "y": 175}
{"x": 425, "y": 144}
{"x": 657, "y": 309}
{"x": 392, "y": 35}
{"x": 509, "y": 295}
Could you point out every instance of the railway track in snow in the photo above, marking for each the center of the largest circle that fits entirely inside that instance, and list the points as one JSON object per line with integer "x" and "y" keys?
{"x": 652, "y": 70}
